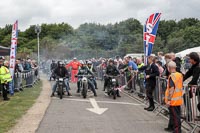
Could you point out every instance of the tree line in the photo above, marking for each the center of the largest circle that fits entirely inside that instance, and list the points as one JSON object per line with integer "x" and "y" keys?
{"x": 119, "y": 38}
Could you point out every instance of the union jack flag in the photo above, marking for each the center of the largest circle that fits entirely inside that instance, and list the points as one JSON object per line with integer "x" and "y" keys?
{"x": 150, "y": 30}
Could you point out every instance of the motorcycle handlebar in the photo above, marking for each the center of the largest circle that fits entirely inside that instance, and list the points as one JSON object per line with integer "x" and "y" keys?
{"x": 111, "y": 76}
{"x": 88, "y": 76}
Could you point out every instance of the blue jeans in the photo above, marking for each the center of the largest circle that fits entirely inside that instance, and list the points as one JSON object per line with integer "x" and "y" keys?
{"x": 66, "y": 81}
{"x": 11, "y": 87}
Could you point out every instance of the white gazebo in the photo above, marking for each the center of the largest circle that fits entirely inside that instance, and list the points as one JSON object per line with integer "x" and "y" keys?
{"x": 187, "y": 51}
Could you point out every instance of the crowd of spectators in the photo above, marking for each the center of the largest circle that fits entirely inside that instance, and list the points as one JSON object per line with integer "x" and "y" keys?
{"x": 22, "y": 66}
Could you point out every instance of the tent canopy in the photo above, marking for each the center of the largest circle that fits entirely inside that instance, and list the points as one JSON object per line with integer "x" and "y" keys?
{"x": 4, "y": 51}
{"x": 187, "y": 51}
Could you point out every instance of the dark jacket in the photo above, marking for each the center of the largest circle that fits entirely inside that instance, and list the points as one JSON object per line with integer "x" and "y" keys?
{"x": 112, "y": 70}
{"x": 27, "y": 66}
{"x": 178, "y": 64}
{"x": 53, "y": 66}
{"x": 193, "y": 71}
{"x": 84, "y": 71}
{"x": 121, "y": 66}
{"x": 17, "y": 68}
{"x": 61, "y": 72}
{"x": 151, "y": 70}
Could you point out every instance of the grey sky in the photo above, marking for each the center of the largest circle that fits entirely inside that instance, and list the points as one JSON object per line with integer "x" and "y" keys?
{"x": 76, "y": 12}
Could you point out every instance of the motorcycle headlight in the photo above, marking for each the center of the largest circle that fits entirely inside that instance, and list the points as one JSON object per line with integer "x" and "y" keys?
{"x": 60, "y": 79}
{"x": 113, "y": 80}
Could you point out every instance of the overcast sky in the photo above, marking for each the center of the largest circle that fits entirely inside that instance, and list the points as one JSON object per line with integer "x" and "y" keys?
{"x": 76, "y": 12}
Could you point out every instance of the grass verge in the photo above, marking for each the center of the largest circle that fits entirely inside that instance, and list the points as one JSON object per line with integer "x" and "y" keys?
{"x": 17, "y": 106}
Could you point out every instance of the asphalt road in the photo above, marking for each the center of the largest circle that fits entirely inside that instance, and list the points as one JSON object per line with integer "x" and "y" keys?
{"x": 123, "y": 115}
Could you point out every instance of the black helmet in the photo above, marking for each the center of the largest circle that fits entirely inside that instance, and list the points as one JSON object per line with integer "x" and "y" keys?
{"x": 60, "y": 63}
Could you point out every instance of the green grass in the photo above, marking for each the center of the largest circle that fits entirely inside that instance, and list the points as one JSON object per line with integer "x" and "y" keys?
{"x": 12, "y": 110}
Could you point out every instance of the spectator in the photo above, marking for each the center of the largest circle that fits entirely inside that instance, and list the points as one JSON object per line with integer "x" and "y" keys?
{"x": 17, "y": 78}
{"x": 9, "y": 79}
{"x": 121, "y": 65}
{"x": 167, "y": 59}
{"x": 131, "y": 67}
{"x": 194, "y": 71}
{"x": 28, "y": 68}
{"x": 177, "y": 60}
{"x": 27, "y": 65}
{"x": 187, "y": 64}
{"x": 160, "y": 68}
{"x": 18, "y": 66}
{"x": 3, "y": 81}
{"x": 139, "y": 63}
{"x": 151, "y": 71}
{"x": 161, "y": 58}
{"x": 173, "y": 98}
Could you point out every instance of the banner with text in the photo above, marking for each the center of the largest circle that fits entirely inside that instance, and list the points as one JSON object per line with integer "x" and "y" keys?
{"x": 13, "y": 48}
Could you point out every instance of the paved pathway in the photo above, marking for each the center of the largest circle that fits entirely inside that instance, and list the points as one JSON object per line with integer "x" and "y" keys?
{"x": 123, "y": 115}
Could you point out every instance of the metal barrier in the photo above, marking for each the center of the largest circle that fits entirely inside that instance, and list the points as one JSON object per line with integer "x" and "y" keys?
{"x": 190, "y": 112}
{"x": 159, "y": 95}
{"x": 25, "y": 79}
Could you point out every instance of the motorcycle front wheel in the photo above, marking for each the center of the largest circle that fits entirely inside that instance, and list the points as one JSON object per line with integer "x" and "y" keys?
{"x": 114, "y": 94}
{"x": 60, "y": 90}
{"x": 84, "y": 90}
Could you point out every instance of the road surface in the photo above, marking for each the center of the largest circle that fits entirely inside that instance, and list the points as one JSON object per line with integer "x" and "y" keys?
{"x": 99, "y": 115}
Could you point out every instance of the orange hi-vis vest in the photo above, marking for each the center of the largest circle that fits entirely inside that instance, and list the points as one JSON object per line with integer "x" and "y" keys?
{"x": 175, "y": 96}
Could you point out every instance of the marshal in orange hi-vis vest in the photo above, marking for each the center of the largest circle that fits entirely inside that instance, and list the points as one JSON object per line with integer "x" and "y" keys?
{"x": 175, "y": 96}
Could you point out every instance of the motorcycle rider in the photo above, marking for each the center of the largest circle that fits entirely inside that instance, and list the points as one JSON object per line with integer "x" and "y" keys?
{"x": 61, "y": 72}
{"x": 85, "y": 71}
{"x": 111, "y": 70}
{"x": 91, "y": 68}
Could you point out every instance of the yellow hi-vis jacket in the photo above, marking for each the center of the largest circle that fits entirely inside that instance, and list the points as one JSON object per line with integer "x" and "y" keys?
{"x": 141, "y": 65}
{"x": 5, "y": 75}
{"x": 175, "y": 96}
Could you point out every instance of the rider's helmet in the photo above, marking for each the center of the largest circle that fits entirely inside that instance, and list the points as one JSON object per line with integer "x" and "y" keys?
{"x": 83, "y": 64}
{"x": 60, "y": 64}
{"x": 89, "y": 63}
{"x": 81, "y": 61}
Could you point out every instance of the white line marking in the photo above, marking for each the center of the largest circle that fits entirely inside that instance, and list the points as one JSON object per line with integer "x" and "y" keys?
{"x": 108, "y": 102}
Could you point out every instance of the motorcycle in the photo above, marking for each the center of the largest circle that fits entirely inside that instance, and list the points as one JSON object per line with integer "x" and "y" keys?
{"x": 60, "y": 83}
{"x": 112, "y": 87}
{"x": 84, "y": 84}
